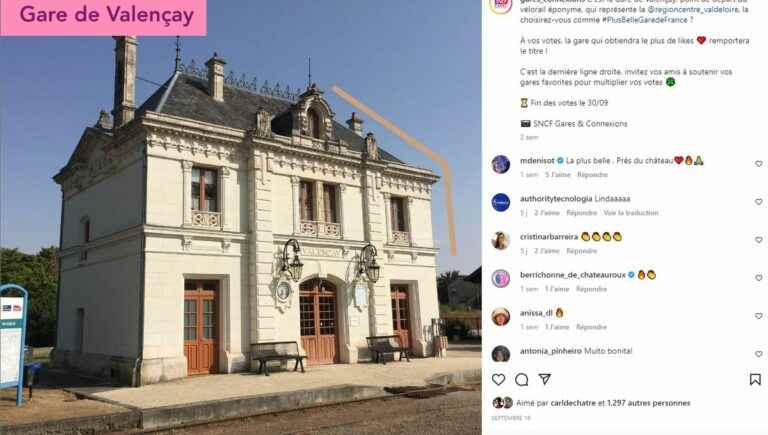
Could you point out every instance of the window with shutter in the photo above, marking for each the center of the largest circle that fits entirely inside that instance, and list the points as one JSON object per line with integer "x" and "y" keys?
{"x": 329, "y": 203}
{"x": 306, "y": 201}
{"x": 397, "y": 209}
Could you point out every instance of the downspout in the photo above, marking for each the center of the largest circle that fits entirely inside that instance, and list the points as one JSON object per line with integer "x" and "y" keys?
{"x": 142, "y": 260}
{"x": 58, "y": 273}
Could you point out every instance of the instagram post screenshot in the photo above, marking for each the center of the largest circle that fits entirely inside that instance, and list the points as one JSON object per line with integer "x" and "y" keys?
{"x": 331, "y": 217}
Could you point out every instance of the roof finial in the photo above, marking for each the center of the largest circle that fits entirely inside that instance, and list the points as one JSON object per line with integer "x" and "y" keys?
{"x": 309, "y": 72}
{"x": 178, "y": 53}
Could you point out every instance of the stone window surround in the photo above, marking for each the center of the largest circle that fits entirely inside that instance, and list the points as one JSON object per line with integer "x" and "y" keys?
{"x": 408, "y": 203}
{"x": 318, "y": 185}
{"x": 223, "y": 174}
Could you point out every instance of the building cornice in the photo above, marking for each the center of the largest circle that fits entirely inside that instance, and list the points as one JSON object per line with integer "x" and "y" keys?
{"x": 284, "y": 145}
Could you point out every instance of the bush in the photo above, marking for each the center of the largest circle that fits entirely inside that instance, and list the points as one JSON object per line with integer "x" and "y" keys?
{"x": 38, "y": 274}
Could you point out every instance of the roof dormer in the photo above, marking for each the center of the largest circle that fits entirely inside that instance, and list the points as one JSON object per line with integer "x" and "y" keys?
{"x": 312, "y": 116}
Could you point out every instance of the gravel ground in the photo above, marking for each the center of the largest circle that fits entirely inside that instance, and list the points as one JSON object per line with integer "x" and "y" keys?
{"x": 452, "y": 413}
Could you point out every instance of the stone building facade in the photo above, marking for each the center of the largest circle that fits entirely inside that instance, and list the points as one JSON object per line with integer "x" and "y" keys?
{"x": 176, "y": 215}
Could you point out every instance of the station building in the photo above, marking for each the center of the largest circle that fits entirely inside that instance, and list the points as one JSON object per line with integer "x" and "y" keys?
{"x": 184, "y": 218}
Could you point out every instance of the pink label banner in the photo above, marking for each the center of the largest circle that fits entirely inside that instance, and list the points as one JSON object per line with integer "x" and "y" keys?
{"x": 103, "y": 17}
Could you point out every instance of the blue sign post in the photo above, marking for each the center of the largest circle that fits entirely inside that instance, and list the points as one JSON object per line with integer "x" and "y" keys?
{"x": 13, "y": 333}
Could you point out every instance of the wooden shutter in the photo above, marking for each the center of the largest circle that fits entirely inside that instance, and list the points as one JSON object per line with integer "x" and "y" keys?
{"x": 398, "y": 214}
{"x": 329, "y": 203}
{"x": 305, "y": 201}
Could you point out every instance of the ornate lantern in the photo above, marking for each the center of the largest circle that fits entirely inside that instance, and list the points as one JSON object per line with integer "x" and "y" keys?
{"x": 368, "y": 263}
{"x": 295, "y": 267}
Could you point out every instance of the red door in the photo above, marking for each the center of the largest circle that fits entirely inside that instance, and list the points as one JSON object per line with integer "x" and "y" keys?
{"x": 400, "y": 314}
{"x": 317, "y": 306}
{"x": 200, "y": 332}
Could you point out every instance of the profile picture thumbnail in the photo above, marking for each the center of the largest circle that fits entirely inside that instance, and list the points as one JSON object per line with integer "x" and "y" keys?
{"x": 500, "y": 316}
{"x": 500, "y": 240}
{"x": 500, "y": 354}
{"x": 500, "y": 202}
{"x": 500, "y": 278}
{"x": 500, "y": 164}
{"x": 498, "y": 403}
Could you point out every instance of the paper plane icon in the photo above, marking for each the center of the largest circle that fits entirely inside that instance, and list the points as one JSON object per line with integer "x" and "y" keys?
{"x": 545, "y": 377}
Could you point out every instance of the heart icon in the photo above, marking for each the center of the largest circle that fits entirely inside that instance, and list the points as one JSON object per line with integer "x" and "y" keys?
{"x": 759, "y": 277}
{"x": 759, "y": 239}
{"x": 679, "y": 159}
{"x": 759, "y": 201}
{"x": 759, "y": 163}
{"x": 498, "y": 378}
{"x": 759, "y": 316}
{"x": 759, "y": 353}
{"x": 702, "y": 39}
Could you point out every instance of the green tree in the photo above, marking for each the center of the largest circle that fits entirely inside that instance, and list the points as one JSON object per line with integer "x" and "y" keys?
{"x": 443, "y": 281}
{"x": 38, "y": 274}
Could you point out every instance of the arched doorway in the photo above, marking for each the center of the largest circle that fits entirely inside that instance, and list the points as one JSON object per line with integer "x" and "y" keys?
{"x": 318, "y": 321}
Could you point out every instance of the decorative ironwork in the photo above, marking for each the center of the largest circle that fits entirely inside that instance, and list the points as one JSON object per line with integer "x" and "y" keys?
{"x": 308, "y": 228}
{"x": 367, "y": 264}
{"x": 401, "y": 238}
{"x": 242, "y": 82}
{"x": 328, "y": 230}
{"x": 294, "y": 267}
{"x": 332, "y": 230}
{"x": 206, "y": 219}
{"x": 177, "y": 66}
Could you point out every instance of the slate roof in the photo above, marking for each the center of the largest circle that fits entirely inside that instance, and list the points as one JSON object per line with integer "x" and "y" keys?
{"x": 187, "y": 96}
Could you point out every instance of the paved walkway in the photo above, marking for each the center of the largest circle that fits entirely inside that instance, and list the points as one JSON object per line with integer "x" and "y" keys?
{"x": 228, "y": 386}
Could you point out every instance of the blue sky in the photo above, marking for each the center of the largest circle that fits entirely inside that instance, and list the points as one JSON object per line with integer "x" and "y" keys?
{"x": 417, "y": 63}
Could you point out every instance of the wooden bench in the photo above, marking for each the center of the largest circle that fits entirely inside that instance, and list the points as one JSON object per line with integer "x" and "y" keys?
{"x": 387, "y": 344}
{"x": 276, "y": 351}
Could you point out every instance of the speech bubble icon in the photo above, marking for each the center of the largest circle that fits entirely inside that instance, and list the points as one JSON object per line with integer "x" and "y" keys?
{"x": 521, "y": 379}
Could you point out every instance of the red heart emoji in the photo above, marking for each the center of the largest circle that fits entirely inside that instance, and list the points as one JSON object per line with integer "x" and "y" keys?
{"x": 679, "y": 159}
{"x": 702, "y": 39}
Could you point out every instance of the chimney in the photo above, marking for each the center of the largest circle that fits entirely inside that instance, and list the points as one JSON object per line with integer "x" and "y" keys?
{"x": 355, "y": 124}
{"x": 125, "y": 80}
{"x": 216, "y": 77}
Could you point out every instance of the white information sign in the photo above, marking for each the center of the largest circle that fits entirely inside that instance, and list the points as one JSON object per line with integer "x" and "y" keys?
{"x": 11, "y": 322}
{"x": 361, "y": 293}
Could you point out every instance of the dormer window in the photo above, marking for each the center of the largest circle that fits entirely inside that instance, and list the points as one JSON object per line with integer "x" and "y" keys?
{"x": 314, "y": 123}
